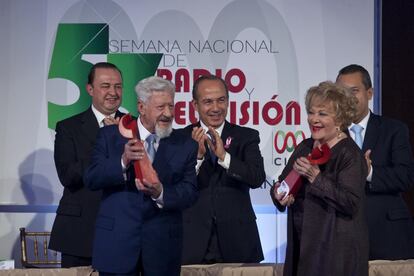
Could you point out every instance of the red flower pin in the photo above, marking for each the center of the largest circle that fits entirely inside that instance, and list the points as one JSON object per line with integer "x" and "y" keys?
{"x": 320, "y": 156}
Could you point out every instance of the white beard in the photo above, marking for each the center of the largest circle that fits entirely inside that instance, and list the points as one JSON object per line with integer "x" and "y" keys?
{"x": 163, "y": 132}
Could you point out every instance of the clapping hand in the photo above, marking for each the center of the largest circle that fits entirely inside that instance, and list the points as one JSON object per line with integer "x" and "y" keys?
{"x": 217, "y": 147}
{"x": 199, "y": 135}
{"x": 367, "y": 156}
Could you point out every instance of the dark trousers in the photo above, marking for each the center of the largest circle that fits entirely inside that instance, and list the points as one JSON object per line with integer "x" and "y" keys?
{"x": 137, "y": 272}
{"x": 213, "y": 253}
{"x": 72, "y": 261}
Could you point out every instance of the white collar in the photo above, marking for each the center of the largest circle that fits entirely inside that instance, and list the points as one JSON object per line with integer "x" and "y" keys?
{"x": 100, "y": 116}
{"x": 143, "y": 132}
{"x": 363, "y": 122}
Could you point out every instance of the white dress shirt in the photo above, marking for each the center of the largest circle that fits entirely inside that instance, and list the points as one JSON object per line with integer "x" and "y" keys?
{"x": 100, "y": 117}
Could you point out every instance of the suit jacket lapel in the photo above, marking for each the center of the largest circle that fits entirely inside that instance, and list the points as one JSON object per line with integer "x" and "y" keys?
{"x": 164, "y": 154}
{"x": 226, "y": 134}
{"x": 90, "y": 125}
{"x": 371, "y": 135}
{"x": 119, "y": 114}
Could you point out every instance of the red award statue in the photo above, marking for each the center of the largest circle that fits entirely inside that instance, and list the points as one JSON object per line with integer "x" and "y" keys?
{"x": 143, "y": 168}
{"x": 293, "y": 181}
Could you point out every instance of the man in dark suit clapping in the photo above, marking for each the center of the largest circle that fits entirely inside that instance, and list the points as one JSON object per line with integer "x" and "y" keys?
{"x": 72, "y": 232}
{"x": 221, "y": 226}
{"x": 385, "y": 143}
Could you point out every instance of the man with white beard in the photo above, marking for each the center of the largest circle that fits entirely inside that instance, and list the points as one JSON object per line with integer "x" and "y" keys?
{"x": 139, "y": 225}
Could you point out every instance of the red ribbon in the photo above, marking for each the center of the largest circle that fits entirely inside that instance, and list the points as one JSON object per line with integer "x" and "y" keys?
{"x": 129, "y": 129}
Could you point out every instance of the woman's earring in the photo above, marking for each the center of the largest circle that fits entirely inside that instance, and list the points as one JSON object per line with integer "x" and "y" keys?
{"x": 338, "y": 133}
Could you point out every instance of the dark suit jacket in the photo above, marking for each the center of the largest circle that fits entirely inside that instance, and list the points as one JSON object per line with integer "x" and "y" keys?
{"x": 224, "y": 197}
{"x": 390, "y": 223}
{"x": 73, "y": 229}
{"x": 327, "y": 222}
{"x": 129, "y": 224}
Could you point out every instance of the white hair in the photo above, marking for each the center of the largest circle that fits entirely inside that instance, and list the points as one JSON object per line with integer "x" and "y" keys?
{"x": 145, "y": 88}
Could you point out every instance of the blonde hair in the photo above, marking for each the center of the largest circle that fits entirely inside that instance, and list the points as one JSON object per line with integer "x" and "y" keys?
{"x": 344, "y": 103}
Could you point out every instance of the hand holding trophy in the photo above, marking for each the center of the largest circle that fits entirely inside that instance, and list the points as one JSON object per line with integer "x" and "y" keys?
{"x": 293, "y": 181}
{"x": 143, "y": 167}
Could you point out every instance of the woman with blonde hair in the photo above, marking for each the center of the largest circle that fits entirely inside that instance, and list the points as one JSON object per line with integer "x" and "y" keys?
{"x": 327, "y": 231}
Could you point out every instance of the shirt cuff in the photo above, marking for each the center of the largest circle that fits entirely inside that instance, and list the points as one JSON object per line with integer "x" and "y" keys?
{"x": 198, "y": 165}
{"x": 124, "y": 169}
{"x": 226, "y": 162}
{"x": 159, "y": 200}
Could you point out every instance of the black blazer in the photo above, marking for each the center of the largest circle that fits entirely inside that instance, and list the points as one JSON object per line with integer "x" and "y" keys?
{"x": 224, "y": 196}
{"x": 73, "y": 228}
{"x": 327, "y": 222}
{"x": 390, "y": 223}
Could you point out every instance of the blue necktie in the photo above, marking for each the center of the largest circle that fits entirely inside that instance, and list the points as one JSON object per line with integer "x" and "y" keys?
{"x": 150, "y": 146}
{"x": 357, "y": 130}
{"x": 213, "y": 156}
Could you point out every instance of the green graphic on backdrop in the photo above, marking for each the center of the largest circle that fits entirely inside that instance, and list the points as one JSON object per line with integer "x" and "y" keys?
{"x": 74, "y": 40}
{"x": 134, "y": 67}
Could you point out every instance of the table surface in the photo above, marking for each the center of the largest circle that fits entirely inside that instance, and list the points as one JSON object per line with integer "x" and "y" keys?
{"x": 376, "y": 268}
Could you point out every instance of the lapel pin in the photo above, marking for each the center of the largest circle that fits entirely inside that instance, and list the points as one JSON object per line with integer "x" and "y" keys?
{"x": 228, "y": 142}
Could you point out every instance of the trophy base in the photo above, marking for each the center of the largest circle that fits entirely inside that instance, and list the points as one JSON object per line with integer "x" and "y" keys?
{"x": 283, "y": 188}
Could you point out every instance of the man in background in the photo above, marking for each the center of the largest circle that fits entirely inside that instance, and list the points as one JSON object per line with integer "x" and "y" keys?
{"x": 73, "y": 229}
{"x": 385, "y": 143}
{"x": 221, "y": 226}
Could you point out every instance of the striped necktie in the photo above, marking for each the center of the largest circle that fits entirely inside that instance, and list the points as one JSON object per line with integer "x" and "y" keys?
{"x": 150, "y": 146}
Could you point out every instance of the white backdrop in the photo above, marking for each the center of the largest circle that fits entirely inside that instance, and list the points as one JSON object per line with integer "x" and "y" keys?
{"x": 278, "y": 49}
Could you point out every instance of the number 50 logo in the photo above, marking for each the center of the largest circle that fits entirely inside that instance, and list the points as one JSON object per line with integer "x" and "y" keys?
{"x": 287, "y": 141}
{"x": 73, "y": 41}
